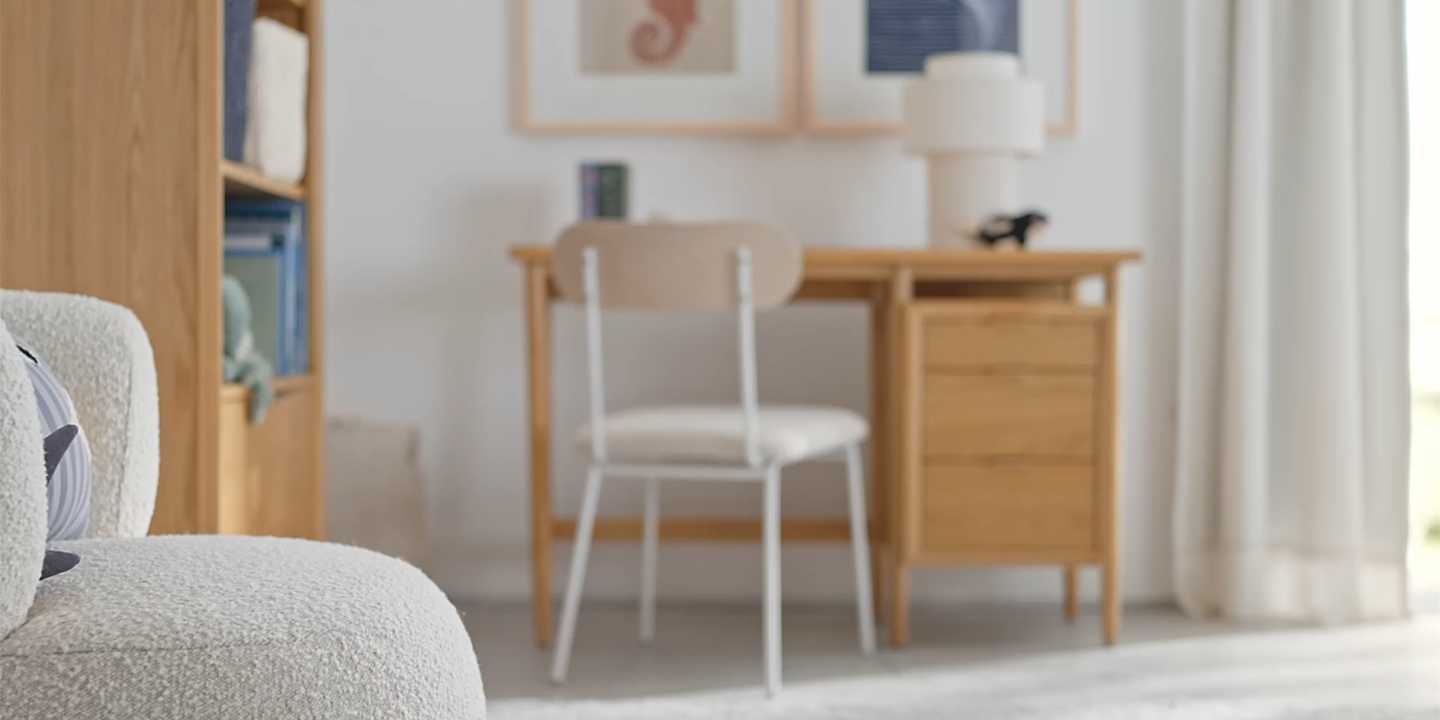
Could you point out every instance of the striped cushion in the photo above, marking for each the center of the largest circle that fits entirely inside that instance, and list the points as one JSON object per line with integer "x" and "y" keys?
{"x": 69, "y": 489}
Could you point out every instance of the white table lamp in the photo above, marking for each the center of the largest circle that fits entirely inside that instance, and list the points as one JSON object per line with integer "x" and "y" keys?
{"x": 972, "y": 115}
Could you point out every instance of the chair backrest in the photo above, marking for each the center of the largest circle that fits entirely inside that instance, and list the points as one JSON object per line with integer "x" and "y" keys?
{"x": 717, "y": 266}
{"x": 100, "y": 352}
{"x": 677, "y": 266}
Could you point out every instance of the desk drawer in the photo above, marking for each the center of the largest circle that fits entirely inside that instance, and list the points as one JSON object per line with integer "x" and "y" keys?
{"x": 1048, "y": 416}
{"x": 1065, "y": 339}
{"x": 1030, "y": 507}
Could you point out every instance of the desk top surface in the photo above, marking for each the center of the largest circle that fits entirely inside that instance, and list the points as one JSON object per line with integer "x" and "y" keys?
{"x": 880, "y": 263}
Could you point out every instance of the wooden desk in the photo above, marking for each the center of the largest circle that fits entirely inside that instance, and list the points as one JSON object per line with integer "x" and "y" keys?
{"x": 993, "y": 407}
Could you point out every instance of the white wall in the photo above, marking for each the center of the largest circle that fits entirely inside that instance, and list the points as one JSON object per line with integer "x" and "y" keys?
{"x": 428, "y": 187}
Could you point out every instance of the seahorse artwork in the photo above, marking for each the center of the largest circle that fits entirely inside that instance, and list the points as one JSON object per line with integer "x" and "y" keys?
{"x": 646, "y": 39}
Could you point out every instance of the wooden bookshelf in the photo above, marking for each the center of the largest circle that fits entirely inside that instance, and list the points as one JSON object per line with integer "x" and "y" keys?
{"x": 245, "y": 180}
{"x": 131, "y": 98}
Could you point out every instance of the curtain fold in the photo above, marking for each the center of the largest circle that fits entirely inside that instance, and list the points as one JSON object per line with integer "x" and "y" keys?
{"x": 1293, "y": 394}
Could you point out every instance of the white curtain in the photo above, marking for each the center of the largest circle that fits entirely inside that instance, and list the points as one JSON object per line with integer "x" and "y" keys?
{"x": 1293, "y": 407}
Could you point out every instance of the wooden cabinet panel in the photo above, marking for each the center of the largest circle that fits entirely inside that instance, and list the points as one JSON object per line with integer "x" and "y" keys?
{"x": 1042, "y": 416}
{"x": 101, "y": 193}
{"x": 974, "y": 507}
{"x": 1027, "y": 342}
{"x": 267, "y": 471}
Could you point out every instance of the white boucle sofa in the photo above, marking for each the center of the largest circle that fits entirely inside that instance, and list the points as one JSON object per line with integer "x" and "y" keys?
{"x": 191, "y": 627}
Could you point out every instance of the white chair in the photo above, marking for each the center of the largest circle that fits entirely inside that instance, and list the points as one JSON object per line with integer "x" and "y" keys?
{"x": 673, "y": 267}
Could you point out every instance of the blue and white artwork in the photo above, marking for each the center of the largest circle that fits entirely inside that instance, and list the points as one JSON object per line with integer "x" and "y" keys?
{"x": 900, "y": 34}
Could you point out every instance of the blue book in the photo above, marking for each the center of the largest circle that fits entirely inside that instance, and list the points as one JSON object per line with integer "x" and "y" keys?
{"x": 239, "y": 19}
{"x": 589, "y": 191}
{"x": 246, "y": 248}
{"x": 300, "y": 358}
{"x": 279, "y": 241}
{"x": 248, "y": 223}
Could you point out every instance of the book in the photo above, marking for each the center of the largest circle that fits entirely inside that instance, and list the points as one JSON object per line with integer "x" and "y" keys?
{"x": 258, "y": 241}
{"x": 270, "y": 234}
{"x": 589, "y": 191}
{"x": 604, "y": 191}
{"x": 262, "y": 274}
{"x": 286, "y": 221}
{"x": 239, "y": 18}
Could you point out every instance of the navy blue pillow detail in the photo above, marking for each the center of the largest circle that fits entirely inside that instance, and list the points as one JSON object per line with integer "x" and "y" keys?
{"x": 56, "y": 444}
{"x": 56, "y": 562}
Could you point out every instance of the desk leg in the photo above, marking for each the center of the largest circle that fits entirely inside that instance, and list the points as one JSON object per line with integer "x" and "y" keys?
{"x": 899, "y": 604}
{"x": 1110, "y": 466}
{"x": 902, "y": 444}
{"x": 1072, "y": 572}
{"x": 1072, "y": 592}
{"x": 880, "y": 477}
{"x": 537, "y": 316}
{"x": 1112, "y": 602}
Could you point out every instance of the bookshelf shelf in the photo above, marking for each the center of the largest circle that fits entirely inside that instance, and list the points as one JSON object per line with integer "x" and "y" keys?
{"x": 289, "y": 12}
{"x": 289, "y": 384}
{"x": 245, "y": 180}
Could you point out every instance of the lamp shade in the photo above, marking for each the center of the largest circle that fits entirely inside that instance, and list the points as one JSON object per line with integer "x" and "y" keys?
{"x": 974, "y": 102}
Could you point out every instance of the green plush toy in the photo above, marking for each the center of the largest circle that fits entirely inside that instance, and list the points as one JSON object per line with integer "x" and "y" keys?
{"x": 243, "y": 363}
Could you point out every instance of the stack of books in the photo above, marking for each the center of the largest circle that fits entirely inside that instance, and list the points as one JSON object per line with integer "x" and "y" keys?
{"x": 265, "y": 251}
{"x": 604, "y": 191}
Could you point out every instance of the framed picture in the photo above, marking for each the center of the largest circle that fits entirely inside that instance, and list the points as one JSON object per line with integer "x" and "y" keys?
{"x": 655, "y": 67}
{"x": 858, "y": 54}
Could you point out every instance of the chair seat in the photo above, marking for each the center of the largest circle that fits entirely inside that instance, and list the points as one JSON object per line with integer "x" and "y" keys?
{"x": 165, "y": 628}
{"x": 715, "y": 434}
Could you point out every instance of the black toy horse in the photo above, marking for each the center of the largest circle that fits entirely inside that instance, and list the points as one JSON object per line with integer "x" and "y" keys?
{"x": 1000, "y": 228}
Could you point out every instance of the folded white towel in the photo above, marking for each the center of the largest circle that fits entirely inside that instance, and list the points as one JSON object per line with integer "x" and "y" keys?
{"x": 279, "y": 74}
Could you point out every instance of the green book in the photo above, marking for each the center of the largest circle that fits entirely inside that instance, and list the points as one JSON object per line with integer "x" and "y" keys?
{"x": 613, "y": 191}
{"x": 261, "y": 276}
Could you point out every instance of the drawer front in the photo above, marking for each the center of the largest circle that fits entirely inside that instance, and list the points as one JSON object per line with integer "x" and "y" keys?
{"x": 970, "y": 507}
{"x": 1048, "y": 416}
{"x": 989, "y": 342}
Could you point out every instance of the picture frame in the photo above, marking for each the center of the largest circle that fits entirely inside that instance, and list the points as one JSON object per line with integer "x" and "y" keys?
{"x": 570, "y": 88}
{"x": 839, "y": 98}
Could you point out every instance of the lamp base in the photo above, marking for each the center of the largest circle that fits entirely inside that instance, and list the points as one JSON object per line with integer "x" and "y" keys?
{"x": 966, "y": 189}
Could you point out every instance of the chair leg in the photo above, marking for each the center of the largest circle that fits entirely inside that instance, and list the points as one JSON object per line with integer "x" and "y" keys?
{"x": 560, "y": 665}
{"x": 772, "y": 581}
{"x": 860, "y": 544}
{"x": 648, "y": 558}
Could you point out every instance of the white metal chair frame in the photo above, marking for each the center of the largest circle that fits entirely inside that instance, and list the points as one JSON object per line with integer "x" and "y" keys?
{"x": 754, "y": 470}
